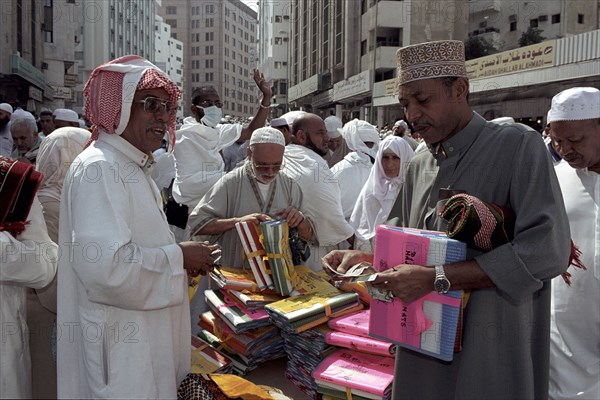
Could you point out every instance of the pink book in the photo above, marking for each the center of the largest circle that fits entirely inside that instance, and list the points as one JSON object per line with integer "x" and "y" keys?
{"x": 356, "y": 323}
{"x": 357, "y": 371}
{"x": 428, "y": 325}
{"x": 360, "y": 343}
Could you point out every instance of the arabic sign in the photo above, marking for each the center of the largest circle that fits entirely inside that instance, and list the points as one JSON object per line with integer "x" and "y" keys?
{"x": 305, "y": 87}
{"x": 391, "y": 87}
{"x": 526, "y": 58}
{"x": 352, "y": 86}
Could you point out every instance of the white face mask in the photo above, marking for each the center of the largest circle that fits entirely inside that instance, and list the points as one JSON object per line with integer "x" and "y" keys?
{"x": 212, "y": 116}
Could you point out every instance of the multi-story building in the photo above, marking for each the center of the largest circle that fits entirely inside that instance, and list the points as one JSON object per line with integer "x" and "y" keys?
{"x": 502, "y": 23}
{"x": 219, "y": 38}
{"x": 169, "y": 55}
{"x": 273, "y": 39}
{"x": 22, "y": 81}
{"x": 111, "y": 29}
{"x": 343, "y": 53}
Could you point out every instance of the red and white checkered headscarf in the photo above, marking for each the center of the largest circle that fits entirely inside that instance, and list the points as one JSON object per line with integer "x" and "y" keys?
{"x": 110, "y": 89}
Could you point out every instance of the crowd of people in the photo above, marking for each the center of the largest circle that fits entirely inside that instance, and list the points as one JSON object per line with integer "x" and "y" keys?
{"x": 98, "y": 272}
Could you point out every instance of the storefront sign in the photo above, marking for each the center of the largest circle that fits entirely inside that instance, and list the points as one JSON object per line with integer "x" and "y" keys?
{"x": 70, "y": 80}
{"x": 322, "y": 99}
{"x": 35, "y": 93}
{"x": 526, "y": 58}
{"x": 391, "y": 87}
{"x": 305, "y": 87}
{"x": 352, "y": 86}
{"x": 25, "y": 70}
{"x": 62, "y": 92}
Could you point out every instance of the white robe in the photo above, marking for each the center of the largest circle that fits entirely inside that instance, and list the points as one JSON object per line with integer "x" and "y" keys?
{"x": 198, "y": 163}
{"x": 27, "y": 261}
{"x": 123, "y": 325}
{"x": 351, "y": 174}
{"x": 322, "y": 202}
{"x": 575, "y": 318}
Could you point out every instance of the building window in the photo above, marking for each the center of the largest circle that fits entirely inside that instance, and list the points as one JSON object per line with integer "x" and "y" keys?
{"x": 580, "y": 19}
{"x": 210, "y": 22}
{"x": 48, "y": 37}
{"x": 556, "y": 19}
{"x": 171, "y": 10}
{"x": 226, "y": 52}
{"x": 172, "y": 22}
{"x": 210, "y": 9}
{"x": 209, "y": 50}
{"x": 533, "y": 23}
{"x": 278, "y": 18}
{"x": 226, "y": 38}
{"x": 209, "y": 63}
{"x": 210, "y": 36}
{"x": 208, "y": 77}
{"x": 227, "y": 25}
{"x": 278, "y": 40}
{"x": 363, "y": 47}
{"x": 513, "y": 26}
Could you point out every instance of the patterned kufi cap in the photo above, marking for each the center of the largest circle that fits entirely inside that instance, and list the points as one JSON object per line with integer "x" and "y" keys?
{"x": 267, "y": 135}
{"x": 575, "y": 104}
{"x": 444, "y": 58}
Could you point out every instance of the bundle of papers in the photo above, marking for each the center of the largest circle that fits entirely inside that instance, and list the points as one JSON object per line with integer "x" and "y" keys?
{"x": 428, "y": 325}
{"x": 207, "y": 360}
{"x": 238, "y": 318}
{"x": 254, "y": 301}
{"x": 249, "y": 234}
{"x": 362, "y": 374}
{"x": 279, "y": 256}
{"x": 299, "y": 313}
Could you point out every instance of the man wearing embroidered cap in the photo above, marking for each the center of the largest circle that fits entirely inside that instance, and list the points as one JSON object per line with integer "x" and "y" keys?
{"x": 255, "y": 192}
{"x": 506, "y": 320}
{"x": 123, "y": 314}
{"x": 574, "y": 353}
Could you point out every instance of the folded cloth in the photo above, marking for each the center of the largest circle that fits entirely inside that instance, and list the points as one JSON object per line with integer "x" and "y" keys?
{"x": 19, "y": 182}
{"x": 484, "y": 226}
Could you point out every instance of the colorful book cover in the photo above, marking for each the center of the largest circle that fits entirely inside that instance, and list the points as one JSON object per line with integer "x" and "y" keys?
{"x": 276, "y": 243}
{"x": 235, "y": 279}
{"x": 206, "y": 359}
{"x": 363, "y": 344}
{"x": 253, "y": 301}
{"x": 253, "y": 235}
{"x": 356, "y": 323}
{"x": 253, "y": 254}
{"x": 235, "y": 316}
{"x": 428, "y": 325}
{"x": 357, "y": 371}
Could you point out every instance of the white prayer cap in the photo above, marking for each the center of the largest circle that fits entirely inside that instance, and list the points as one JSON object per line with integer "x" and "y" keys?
{"x": 67, "y": 115}
{"x": 402, "y": 124}
{"x": 267, "y": 135}
{"x": 6, "y": 107}
{"x": 334, "y": 126}
{"x": 19, "y": 113}
{"x": 575, "y": 104}
{"x": 291, "y": 116}
{"x": 279, "y": 122}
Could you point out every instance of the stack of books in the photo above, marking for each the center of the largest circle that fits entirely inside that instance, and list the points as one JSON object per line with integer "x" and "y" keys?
{"x": 206, "y": 359}
{"x": 429, "y": 325}
{"x": 238, "y": 318}
{"x": 364, "y": 375}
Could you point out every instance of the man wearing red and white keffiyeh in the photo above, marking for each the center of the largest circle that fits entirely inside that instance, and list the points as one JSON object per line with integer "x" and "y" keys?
{"x": 123, "y": 324}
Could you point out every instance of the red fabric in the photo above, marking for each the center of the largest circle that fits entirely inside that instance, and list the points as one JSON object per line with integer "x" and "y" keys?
{"x": 19, "y": 182}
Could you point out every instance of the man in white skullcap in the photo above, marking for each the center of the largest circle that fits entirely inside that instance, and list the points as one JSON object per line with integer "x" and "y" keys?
{"x": 123, "y": 317}
{"x": 400, "y": 129}
{"x": 23, "y": 129}
{"x": 338, "y": 149}
{"x": 254, "y": 192}
{"x": 282, "y": 126}
{"x": 575, "y": 323}
{"x": 506, "y": 329}
{"x": 64, "y": 117}
{"x": 353, "y": 171}
{"x": 6, "y": 140}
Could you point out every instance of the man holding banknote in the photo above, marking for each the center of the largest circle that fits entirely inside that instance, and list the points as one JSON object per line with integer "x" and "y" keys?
{"x": 506, "y": 320}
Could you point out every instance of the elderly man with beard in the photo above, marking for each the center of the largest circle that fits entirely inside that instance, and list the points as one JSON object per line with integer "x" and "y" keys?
{"x": 254, "y": 192}
{"x": 123, "y": 312}
{"x": 6, "y": 140}
{"x": 23, "y": 129}
{"x": 305, "y": 164}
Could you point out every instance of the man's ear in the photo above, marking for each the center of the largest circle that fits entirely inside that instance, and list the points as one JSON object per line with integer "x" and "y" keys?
{"x": 248, "y": 152}
{"x": 461, "y": 87}
{"x": 300, "y": 136}
{"x": 196, "y": 112}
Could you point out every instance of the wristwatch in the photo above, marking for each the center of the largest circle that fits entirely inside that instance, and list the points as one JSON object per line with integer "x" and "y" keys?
{"x": 441, "y": 283}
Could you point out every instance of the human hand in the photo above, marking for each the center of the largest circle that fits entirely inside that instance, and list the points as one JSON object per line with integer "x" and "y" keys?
{"x": 262, "y": 84}
{"x": 197, "y": 257}
{"x": 406, "y": 282}
{"x": 293, "y": 216}
{"x": 342, "y": 260}
{"x": 256, "y": 218}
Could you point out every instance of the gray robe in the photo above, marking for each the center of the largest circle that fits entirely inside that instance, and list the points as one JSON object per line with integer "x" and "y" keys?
{"x": 233, "y": 196}
{"x": 506, "y": 328}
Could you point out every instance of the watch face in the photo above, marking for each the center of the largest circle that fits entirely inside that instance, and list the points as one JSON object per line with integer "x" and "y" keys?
{"x": 442, "y": 285}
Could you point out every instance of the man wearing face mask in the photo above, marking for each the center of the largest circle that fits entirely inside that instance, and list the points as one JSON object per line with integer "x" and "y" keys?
{"x": 254, "y": 192}
{"x": 198, "y": 162}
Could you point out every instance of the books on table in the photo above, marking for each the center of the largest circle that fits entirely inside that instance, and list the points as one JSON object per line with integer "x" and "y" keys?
{"x": 428, "y": 325}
